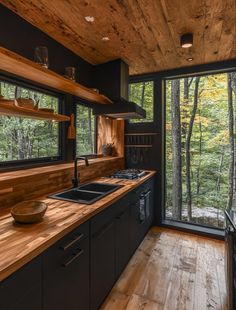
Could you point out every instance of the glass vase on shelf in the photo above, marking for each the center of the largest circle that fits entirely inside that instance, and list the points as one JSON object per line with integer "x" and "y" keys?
{"x": 41, "y": 56}
{"x": 70, "y": 73}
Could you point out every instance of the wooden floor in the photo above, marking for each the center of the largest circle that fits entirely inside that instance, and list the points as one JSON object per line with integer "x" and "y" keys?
{"x": 172, "y": 270}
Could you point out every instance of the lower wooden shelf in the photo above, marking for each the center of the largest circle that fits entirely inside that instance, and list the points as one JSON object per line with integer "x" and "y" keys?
{"x": 12, "y": 110}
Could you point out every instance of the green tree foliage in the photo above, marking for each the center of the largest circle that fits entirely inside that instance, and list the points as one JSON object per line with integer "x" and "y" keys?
{"x": 209, "y": 146}
{"x": 22, "y": 138}
{"x": 142, "y": 94}
{"x": 85, "y": 130}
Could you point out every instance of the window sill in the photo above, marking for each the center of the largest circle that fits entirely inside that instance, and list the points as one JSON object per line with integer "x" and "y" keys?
{"x": 196, "y": 229}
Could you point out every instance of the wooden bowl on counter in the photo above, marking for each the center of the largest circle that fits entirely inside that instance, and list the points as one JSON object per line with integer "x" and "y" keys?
{"x": 29, "y": 211}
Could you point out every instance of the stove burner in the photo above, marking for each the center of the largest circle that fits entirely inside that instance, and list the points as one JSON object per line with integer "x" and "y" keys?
{"x": 130, "y": 174}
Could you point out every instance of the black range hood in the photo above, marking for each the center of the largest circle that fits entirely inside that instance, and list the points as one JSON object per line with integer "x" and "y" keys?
{"x": 122, "y": 109}
{"x": 112, "y": 80}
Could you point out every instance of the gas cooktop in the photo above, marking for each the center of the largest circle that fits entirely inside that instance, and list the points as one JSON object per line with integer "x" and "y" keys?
{"x": 130, "y": 174}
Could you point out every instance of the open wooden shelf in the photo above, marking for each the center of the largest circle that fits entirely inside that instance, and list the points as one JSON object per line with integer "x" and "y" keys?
{"x": 12, "y": 110}
{"x": 25, "y": 68}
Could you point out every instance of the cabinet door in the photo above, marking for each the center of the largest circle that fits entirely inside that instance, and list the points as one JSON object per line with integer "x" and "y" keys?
{"x": 102, "y": 263}
{"x": 66, "y": 275}
{"x": 136, "y": 227}
{"x": 123, "y": 252}
{"x": 150, "y": 204}
{"x": 22, "y": 290}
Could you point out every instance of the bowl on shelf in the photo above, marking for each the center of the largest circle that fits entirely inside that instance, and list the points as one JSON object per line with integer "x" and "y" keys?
{"x": 29, "y": 211}
{"x": 27, "y": 103}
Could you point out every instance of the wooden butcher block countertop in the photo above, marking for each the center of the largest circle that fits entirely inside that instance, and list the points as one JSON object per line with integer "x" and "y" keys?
{"x": 20, "y": 243}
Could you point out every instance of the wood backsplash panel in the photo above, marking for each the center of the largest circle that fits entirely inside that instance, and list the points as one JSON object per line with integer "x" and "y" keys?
{"x": 26, "y": 186}
{"x": 111, "y": 131}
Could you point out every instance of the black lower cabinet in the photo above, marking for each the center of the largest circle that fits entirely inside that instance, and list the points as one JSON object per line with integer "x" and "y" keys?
{"x": 79, "y": 270}
{"x": 102, "y": 263}
{"x": 66, "y": 272}
{"x": 22, "y": 290}
{"x": 122, "y": 240}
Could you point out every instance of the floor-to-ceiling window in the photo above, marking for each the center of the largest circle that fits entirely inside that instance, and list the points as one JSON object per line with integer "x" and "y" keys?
{"x": 200, "y": 148}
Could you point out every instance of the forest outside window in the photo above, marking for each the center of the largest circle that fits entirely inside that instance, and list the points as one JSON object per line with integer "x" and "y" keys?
{"x": 85, "y": 131}
{"x": 142, "y": 94}
{"x": 200, "y": 148}
{"x": 24, "y": 139}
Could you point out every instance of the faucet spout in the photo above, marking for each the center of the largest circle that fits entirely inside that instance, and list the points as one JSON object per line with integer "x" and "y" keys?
{"x": 76, "y": 179}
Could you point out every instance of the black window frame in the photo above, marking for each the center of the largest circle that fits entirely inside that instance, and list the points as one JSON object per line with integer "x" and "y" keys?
{"x": 184, "y": 225}
{"x": 37, "y": 162}
{"x": 80, "y": 102}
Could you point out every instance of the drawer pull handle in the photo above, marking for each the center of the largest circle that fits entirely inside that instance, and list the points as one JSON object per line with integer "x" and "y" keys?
{"x": 68, "y": 245}
{"x": 101, "y": 232}
{"x": 74, "y": 257}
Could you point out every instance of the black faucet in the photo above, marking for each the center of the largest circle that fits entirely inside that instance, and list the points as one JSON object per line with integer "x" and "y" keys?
{"x": 76, "y": 179}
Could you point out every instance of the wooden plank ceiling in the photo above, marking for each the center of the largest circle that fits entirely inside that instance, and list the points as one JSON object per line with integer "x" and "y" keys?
{"x": 145, "y": 33}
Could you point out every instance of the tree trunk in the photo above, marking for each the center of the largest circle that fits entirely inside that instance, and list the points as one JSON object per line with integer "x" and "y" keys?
{"x": 143, "y": 93}
{"x": 176, "y": 149}
{"x": 231, "y": 144}
{"x": 20, "y": 138}
{"x": 233, "y": 85}
{"x": 17, "y": 92}
{"x": 90, "y": 134}
{"x": 219, "y": 172}
{"x": 185, "y": 109}
{"x": 200, "y": 154}
{"x": 187, "y": 149}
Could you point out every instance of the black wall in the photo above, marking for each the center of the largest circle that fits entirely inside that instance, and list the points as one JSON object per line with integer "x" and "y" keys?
{"x": 21, "y": 37}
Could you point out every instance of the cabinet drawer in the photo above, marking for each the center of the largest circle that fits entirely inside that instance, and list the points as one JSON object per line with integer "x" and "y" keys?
{"x": 72, "y": 240}
{"x": 101, "y": 220}
{"x": 107, "y": 215}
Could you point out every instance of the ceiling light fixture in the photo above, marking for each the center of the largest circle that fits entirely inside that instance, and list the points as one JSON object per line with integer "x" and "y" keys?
{"x": 105, "y": 39}
{"x": 89, "y": 19}
{"x": 186, "y": 40}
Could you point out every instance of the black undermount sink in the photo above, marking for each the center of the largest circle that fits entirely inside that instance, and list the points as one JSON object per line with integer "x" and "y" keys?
{"x": 88, "y": 193}
{"x": 99, "y": 187}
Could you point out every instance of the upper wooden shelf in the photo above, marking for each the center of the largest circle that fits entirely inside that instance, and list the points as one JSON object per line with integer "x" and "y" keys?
{"x": 23, "y": 67}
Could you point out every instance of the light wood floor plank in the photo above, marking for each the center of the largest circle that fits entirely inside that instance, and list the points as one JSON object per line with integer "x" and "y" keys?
{"x": 172, "y": 270}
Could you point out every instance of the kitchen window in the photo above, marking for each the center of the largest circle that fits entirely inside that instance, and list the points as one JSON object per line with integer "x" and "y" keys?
{"x": 142, "y": 94}
{"x": 28, "y": 140}
{"x": 85, "y": 131}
